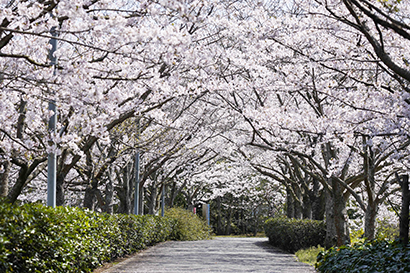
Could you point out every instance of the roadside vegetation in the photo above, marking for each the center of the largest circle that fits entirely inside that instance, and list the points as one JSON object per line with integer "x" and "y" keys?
{"x": 383, "y": 254}
{"x": 292, "y": 234}
{"x": 371, "y": 256}
{"x": 188, "y": 226}
{"x": 309, "y": 255}
{"x": 36, "y": 238}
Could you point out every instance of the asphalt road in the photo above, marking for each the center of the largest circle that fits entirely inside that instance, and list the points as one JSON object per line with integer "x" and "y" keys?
{"x": 217, "y": 255}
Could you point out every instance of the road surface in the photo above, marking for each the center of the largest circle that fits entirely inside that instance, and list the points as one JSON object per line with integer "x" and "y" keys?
{"x": 216, "y": 255}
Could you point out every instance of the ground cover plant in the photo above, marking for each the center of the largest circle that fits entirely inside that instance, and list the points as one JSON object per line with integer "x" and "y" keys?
{"x": 35, "y": 238}
{"x": 372, "y": 256}
{"x": 383, "y": 254}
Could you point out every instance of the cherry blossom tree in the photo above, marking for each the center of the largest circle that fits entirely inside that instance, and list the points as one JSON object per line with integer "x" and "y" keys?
{"x": 238, "y": 102}
{"x": 106, "y": 55}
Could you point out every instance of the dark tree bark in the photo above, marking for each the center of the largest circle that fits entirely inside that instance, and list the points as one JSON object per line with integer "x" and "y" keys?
{"x": 336, "y": 216}
{"x": 298, "y": 204}
{"x": 125, "y": 192}
{"x": 307, "y": 206}
{"x": 90, "y": 196}
{"x": 4, "y": 178}
{"x": 290, "y": 208}
{"x": 153, "y": 199}
{"x": 219, "y": 226}
{"x": 370, "y": 221}
{"x": 331, "y": 234}
{"x": 319, "y": 206}
{"x": 60, "y": 190}
{"x": 370, "y": 184}
{"x": 318, "y": 201}
{"x": 109, "y": 195}
{"x": 25, "y": 171}
{"x": 229, "y": 222}
{"x": 404, "y": 216}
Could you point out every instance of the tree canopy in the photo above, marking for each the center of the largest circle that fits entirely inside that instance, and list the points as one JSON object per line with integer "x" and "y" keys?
{"x": 251, "y": 102}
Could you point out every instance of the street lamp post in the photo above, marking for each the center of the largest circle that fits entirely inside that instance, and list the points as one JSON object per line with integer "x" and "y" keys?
{"x": 52, "y": 159}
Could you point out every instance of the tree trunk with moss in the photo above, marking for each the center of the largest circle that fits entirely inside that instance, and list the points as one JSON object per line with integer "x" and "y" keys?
{"x": 337, "y": 230}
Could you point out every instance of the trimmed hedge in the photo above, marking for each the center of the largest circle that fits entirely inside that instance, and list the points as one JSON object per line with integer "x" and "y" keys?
{"x": 292, "y": 234}
{"x": 36, "y": 238}
{"x": 189, "y": 227}
{"x": 375, "y": 256}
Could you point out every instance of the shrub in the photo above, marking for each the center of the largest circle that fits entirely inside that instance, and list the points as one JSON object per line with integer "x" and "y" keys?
{"x": 35, "y": 238}
{"x": 372, "y": 256}
{"x": 357, "y": 236}
{"x": 189, "y": 227}
{"x": 386, "y": 230}
{"x": 292, "y": 235}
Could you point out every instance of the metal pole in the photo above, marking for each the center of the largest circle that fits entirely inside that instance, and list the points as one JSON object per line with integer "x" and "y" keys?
{"x": 137, "y": 183}
{"x": 52, "y": 158}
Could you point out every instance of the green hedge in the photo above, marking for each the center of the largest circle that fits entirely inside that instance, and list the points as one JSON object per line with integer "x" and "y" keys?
{"x": 189, "y": 227}
{"x": 292, "y": 235}
{"x": 35, "y": 238}
{"x": 374, "y": 256}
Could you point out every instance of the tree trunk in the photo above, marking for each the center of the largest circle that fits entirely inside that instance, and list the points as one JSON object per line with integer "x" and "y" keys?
{"x": 319, "y": 206}
{"x": 336, "y": 216}
{"x": 153, "y": 200}
{"x": 90, "y": 197}
{"x": 172, "y": 195}
{"x": 337, "y": 232}
{"x": 219, "y": 228}
{"x": 370, "y": 220}
{"x": 404, "y": 217}
{"x": 243, "y": 224}
{"x": 331, "y": 235}
{"x": 318, "y": 201}
{"x": 109, "y": 195}
{"x": 370, "y": 183}
{"x": 290, "y": 208}
{"x": 60, "y": 190}
{"x": 141, "y": 201}
{"x": 62, "y": 171}
{"x": 190, "y": 205}
{"x": 229, "y": 221}
{"x": 307, "y": 205}
{"x": 4, "y": 178}
{"x": 19, "y": 185}
{"x": 298, "y": 205}
{"x": 125, "y": 191}
{"x": 255, "y": 215}
{"x": 25, "y": 171}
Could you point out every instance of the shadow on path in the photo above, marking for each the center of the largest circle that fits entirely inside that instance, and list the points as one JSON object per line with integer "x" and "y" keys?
{"x": 217, "y": 255}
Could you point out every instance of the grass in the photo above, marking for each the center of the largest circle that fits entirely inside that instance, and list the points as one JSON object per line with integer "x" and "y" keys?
{"x": 308, "y": 256}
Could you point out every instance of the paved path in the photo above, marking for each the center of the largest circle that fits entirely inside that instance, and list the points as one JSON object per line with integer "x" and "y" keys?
{"x": 217, "y": 255}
